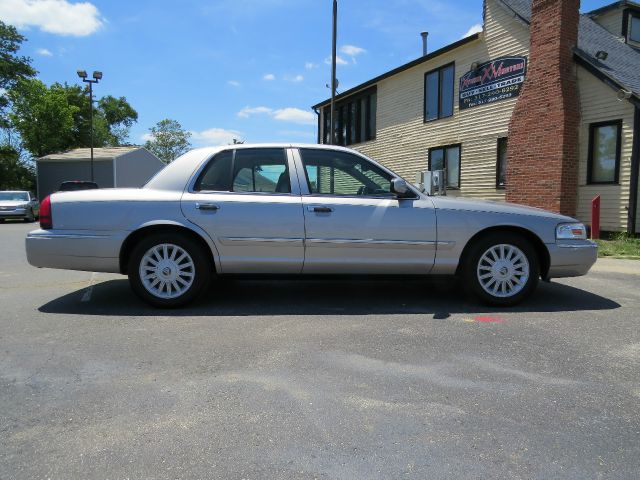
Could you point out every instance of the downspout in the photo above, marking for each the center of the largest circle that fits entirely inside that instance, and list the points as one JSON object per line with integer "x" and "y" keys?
{"x": 319, "y": 124}
{"x": 635, "y": 168}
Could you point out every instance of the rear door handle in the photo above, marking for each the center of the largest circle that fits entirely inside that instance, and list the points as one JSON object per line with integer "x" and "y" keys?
{"x": 319, "y": 209}
{"x": 207, "y": 206}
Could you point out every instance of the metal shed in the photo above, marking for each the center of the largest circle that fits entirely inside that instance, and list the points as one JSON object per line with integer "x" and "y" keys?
{"x": 113, "y": 167}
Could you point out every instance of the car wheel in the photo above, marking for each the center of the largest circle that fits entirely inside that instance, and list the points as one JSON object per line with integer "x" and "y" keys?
{"x": 502, "y": 269}
{"x": 169, "y": 270}
{"x": 30, "y": 218}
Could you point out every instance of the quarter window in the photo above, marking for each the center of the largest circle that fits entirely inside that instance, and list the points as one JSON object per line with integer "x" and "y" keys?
{"x": 343, "y": 174}
{"x": 501, "y": 167}
{"x": 447, "y": 158}
{"x": 216, "y": 176}
{"x": 604, "y": 152}
{"x": 438, "y": 93}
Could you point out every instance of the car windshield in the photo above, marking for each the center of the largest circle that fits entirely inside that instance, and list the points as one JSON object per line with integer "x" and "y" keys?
{"x": 14, "y": 196}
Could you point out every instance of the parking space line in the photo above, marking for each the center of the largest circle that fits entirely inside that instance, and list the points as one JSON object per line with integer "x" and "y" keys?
{"x": 87, "y": 293}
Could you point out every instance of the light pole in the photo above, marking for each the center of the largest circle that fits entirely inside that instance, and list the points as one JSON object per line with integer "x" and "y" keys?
{"x": 334, "y": 30}
{"x": 97, "y": 76}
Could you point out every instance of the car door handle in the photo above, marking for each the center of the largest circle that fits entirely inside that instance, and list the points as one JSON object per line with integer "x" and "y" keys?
{"x": 207, "y": 206}
{"x": 318, "y": 209}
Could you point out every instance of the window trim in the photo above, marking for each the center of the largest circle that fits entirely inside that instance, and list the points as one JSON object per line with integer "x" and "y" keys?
{"x": 590, "y": 157}
{"x": 498, "y": 186}
{"x": 453, "y": 91}
{"x": 445, "y": 147}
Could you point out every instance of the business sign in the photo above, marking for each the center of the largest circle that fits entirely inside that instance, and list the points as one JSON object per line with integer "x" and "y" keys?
{"x": 492, "y": 81}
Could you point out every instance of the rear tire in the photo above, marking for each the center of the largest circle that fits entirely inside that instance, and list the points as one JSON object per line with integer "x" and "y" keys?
{"x": 502, "y": 269}
{"x": 169, "y": 270}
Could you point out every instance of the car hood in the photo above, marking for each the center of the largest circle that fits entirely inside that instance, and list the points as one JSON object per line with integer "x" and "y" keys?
{"x": 458, "y": 203}
{"x": 12, "y": 203}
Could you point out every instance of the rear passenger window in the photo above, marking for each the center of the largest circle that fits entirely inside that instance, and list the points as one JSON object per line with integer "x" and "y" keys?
{"x": 217, "y": 174}
{"x": 261, "y": 170}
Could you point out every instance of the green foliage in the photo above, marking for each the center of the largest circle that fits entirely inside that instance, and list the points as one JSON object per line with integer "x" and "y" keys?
{"x": 58, "y": 118}
{"x": 14, "y": 173}
{"x": 12, "y": 66}
{"x": 169, "y": 140}
{"x": 619, "y": 245}
{"x": 43, "y": 116}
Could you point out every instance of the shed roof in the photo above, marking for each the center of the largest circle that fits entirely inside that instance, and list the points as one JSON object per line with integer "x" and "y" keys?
{"x": 78, "y": 154}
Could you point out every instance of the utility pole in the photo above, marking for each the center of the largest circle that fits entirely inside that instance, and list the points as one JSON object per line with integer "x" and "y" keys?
{"x": 332, "y": 129}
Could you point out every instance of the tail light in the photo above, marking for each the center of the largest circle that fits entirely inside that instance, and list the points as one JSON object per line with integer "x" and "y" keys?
{"x": 46, "y": 220}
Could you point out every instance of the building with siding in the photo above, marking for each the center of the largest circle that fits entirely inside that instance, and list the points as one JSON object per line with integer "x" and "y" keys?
{"x": 112, "y": 167}
{"x": 542, "y": 107}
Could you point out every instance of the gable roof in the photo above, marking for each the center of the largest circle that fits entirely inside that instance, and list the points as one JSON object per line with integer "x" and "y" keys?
{"x": 106, "y": 153}
{"x": 621, "y": 69}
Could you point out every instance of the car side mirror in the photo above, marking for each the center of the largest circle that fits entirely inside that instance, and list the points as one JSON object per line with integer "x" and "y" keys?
{"x": 399, "y": 187}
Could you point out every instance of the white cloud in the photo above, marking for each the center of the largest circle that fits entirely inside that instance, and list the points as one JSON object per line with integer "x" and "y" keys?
{"x": 52, "y": 16}
{"x": 234, "y": 83}
{"x": 339, "y": 60}
{"x": 44, "y": 52}
{"x": 295, "y": 115}
{"x": 216, "y": 136}
{"x": 310, "y": 65}
{"x": 351, "y": 50}
{"x": 246, "y": 112}
{"x": 474, "y": 29}
{"x": 269, "y": 77}
{"x": 288, "y": 114}
{"x": 294, "y": 78}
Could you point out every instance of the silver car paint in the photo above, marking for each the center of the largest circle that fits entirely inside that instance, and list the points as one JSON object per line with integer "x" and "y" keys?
{"x": 277, "y": 233}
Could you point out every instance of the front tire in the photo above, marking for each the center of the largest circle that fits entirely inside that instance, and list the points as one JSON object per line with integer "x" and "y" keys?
{"x": 169, "y": 270}
{"x": 30, "y": 218}
{"x": 502, "y": 269}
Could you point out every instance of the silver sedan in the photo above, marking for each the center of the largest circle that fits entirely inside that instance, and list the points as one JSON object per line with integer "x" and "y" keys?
{"x": 300, "y": 209}
{"x": 18, "y": 204}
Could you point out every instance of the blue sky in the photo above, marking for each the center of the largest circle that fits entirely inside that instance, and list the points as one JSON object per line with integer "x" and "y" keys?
{"x": 247, "y": 69}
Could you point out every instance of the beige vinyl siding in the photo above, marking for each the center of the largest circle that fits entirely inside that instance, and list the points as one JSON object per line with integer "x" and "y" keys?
{"x": 612, "y": 21}
{"x": 598, "y": 104}
{"x": 403, "y": 139}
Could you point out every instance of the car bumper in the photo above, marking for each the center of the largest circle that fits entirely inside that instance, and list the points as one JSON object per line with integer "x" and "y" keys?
{"x": 571, "y": 259}
{"x": 15, "y": 213}
{"x": 73, "y": 251}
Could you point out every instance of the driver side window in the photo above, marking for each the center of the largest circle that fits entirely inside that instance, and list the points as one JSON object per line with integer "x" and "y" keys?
{"x": 339, "y": 173}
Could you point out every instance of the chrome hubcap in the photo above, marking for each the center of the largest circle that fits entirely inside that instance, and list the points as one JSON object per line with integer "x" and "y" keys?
{"x": 167, "y": 270}
{"x": 503, "y": 270}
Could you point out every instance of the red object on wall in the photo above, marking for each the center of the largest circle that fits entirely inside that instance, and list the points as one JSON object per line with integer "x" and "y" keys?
{"x": 542, "y": 165}
{"x": 595, "y": 218}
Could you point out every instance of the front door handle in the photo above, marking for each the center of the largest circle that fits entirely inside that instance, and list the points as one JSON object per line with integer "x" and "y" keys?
{"x": 207, "y": 206}
{"x": 319, "y": 209}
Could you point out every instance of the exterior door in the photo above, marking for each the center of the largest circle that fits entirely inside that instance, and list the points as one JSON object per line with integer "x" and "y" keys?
{"x": 244, "y": 198}
{"x": 355, "y": 224}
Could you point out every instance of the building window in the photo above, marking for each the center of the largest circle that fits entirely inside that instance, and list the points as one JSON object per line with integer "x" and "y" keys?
{"x": 604, "y": 152}
{"x": 633, "y": 28}
{"x": 501, "y": 166}
{"x": 447, "y": 158}
{"x": 438, "y": 93}
{"x": 355, "y": 120}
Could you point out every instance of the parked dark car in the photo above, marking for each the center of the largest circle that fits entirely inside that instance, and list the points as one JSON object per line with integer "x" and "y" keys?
{"x": 74, "y": 185}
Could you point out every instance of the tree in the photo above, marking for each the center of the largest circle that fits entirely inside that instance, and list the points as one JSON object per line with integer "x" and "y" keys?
{"x": 119, "y": 116}
{"x": 15, "y": 174}
{"x": 168, "y": 140}
{"x": 12, "y": 66}
{"x": 42, "y": 116}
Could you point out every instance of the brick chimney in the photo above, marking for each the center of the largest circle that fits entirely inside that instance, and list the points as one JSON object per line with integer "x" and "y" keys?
{"x": 542, "y": 165}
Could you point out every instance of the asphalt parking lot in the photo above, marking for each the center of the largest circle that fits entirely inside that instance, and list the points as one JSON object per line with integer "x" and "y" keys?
{"x": 336, "y": 379}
